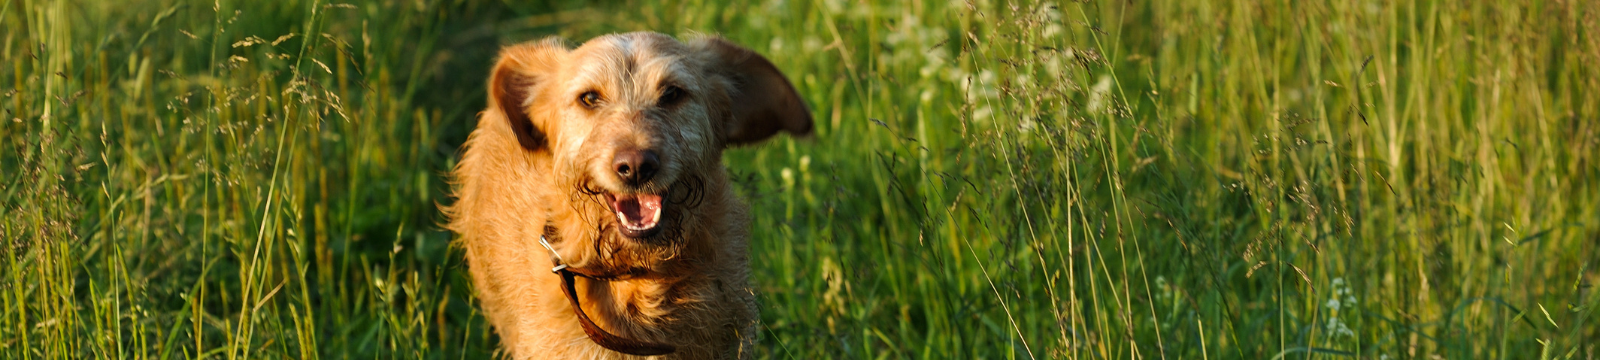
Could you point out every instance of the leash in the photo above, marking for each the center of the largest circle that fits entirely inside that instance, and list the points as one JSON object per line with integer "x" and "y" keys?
{"x": 599, "y": 336}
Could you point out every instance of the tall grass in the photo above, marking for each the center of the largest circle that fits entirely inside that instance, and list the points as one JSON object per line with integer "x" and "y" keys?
{"x": 1161, "y": 179}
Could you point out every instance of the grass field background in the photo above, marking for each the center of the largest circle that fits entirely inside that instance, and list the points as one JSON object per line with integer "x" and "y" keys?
{"x": 1164, "y": 179}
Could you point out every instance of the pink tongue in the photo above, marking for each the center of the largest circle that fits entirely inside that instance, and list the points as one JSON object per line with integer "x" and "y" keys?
{"x": 642, "y": 210}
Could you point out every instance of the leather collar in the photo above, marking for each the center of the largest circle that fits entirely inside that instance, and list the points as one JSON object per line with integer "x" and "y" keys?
{"x": 600, "y": 336}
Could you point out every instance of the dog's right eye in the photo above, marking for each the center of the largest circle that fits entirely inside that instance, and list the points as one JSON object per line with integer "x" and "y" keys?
{"x": 670, "y": 95}
{"x": 589, "y": 99}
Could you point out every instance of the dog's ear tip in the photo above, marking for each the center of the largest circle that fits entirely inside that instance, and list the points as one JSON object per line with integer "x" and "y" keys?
{"x": 523, "y": 56}
{"x": 795, "y": 116}
{"x": 805, "y": 127}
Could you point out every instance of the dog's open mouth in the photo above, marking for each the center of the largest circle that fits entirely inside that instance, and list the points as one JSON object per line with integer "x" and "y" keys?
{"x": 639, "y": 215}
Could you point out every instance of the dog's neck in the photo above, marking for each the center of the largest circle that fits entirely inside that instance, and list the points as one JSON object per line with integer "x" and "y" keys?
{"x": 552, "y": 234}
{"x": 598, "y": 335}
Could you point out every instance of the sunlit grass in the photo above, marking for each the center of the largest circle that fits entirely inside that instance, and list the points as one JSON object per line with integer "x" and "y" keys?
{"x": 1164, "y": 179}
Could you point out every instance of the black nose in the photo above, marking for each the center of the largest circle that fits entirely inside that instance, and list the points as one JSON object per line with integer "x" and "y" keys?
{"x": 636, "y": 166}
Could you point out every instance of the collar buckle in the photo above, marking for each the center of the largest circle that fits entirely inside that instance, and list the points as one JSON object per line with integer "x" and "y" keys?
{"x": 560, "y": 264}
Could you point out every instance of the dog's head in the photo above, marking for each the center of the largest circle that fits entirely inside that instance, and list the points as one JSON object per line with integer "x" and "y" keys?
{"x": 630, "y": 126}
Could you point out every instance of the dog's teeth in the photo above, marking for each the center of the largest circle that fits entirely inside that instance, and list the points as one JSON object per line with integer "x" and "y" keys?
{"x": 651, "y": 206}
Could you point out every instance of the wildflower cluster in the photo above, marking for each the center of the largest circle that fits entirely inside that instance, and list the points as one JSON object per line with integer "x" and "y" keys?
{"x": 1342, "y": 298}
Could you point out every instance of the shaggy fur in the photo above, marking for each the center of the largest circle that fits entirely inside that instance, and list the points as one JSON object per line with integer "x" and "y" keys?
{"x": 541, "y": 156}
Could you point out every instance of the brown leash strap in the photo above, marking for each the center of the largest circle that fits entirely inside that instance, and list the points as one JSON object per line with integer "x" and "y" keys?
{"x": 601, "y": 336}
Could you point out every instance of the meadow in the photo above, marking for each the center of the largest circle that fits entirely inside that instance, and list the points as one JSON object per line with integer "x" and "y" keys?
{"x": 1164, "y": 179}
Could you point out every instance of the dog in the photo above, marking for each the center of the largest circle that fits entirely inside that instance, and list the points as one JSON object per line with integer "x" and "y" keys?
{"x": 597, "y": 219}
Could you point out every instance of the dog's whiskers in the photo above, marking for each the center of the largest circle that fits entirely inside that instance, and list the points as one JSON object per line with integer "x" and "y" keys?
{"x": 692, "y": 189}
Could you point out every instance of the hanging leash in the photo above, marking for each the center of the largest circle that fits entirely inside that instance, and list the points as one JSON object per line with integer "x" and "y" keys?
{"x": 599, "y": 336}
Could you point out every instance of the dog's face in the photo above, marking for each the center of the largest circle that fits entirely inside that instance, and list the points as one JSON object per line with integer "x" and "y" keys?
{"x": 629, "y": 127}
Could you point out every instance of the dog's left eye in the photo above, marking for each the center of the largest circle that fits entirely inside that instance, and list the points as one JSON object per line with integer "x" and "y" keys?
{"x": 589, "y": 99}
{"x": 670, "y": 95}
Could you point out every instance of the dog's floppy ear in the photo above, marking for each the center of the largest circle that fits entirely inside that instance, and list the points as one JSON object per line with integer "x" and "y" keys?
{"x": 518, "y": 76}
{"x": 762, "y": 100}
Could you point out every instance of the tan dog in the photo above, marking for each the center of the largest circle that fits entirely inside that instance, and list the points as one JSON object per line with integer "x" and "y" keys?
{"x": 612, "y": 152}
